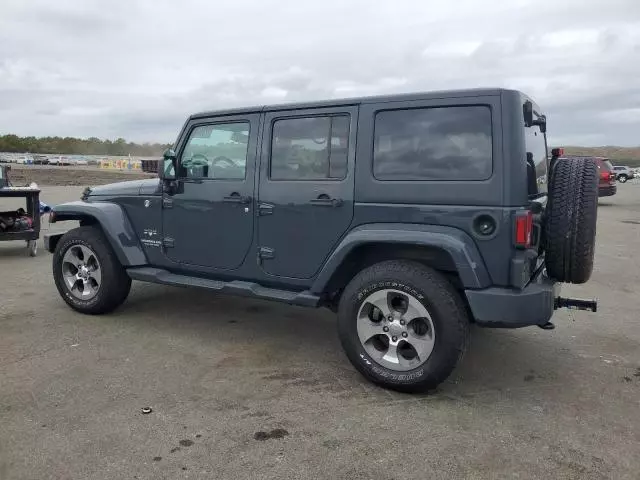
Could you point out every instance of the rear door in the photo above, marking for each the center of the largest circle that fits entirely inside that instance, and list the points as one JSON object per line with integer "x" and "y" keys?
{"x": 305, "y": 198}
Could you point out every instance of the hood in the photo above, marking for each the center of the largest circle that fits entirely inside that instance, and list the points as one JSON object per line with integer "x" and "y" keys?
{"x": 132, "y": 187}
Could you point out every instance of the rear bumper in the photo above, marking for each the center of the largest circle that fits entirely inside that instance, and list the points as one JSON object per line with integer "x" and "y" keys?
{"x": 607, "y": 191}
{"x": 512, "y": 308}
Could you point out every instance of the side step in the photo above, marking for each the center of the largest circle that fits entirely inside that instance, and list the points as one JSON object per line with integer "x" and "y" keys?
{"x": 236, "y": 287}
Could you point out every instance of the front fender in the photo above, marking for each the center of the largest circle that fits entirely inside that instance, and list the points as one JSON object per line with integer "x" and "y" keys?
{"x": 114, "y": 223}
{"x": 460, "y": 246}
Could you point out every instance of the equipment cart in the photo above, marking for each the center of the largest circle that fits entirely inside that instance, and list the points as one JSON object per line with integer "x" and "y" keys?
{"x": 31, "y": 216}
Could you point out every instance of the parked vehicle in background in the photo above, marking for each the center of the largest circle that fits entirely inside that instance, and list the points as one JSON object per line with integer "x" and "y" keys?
{"x": 411, "y": 216}
{"x": 59, "y": 160}
{"x": 607, "y": 178}
{"x": 24, "y": 160}
{"x": 40, "y": 160}
{"x": 81, "y": 162}
{"x": 623, "y": 173}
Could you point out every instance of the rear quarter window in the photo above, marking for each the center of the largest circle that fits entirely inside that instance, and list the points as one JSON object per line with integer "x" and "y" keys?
{"x": 436, "y": 143}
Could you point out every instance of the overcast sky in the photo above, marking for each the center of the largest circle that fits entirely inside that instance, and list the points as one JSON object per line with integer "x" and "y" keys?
{"x": 137, "y": 68}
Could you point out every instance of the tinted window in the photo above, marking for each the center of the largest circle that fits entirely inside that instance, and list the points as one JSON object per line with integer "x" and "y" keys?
{"x": 537, "y": 156}
{"x": 310, "y": 148}
{"x": 216, "y": 151}
{"x": 444, "y": 143}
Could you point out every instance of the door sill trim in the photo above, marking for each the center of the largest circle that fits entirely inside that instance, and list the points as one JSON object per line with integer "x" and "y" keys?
{"x": 235, "y": 287}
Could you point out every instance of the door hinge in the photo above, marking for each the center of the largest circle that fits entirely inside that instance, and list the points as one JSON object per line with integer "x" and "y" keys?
{"x": 168, "y": 242}
{"x": 266, "y": 253}
{"x": 167, "y": 202}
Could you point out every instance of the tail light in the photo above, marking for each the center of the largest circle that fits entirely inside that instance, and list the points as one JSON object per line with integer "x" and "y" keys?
{"x": 608, "y": 177}
{"x": 523, "y": 229}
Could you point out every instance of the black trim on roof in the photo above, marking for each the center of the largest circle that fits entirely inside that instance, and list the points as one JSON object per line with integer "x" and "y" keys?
{"x": 472, "y": 92}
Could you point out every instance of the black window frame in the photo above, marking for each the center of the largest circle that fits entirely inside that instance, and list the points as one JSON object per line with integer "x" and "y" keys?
{"x": 434, "y": 107}
{"x": 330, "y": 116}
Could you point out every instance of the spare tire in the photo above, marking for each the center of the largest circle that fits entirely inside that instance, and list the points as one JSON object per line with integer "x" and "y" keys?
{"x": 570, "y": 224}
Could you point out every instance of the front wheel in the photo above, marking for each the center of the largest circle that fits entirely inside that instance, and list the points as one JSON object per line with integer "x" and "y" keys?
{"x": 87, "y": 273}
{"x": 622, "y": 178}
{"x": 403, "y": 325}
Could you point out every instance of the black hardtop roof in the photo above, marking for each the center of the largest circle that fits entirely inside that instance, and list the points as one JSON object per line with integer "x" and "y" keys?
{"x": 472, "y": 92}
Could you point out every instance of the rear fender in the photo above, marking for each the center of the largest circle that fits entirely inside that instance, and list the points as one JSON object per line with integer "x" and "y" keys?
{"x": 460, "y": 246}
{"x": 115, "y": 225}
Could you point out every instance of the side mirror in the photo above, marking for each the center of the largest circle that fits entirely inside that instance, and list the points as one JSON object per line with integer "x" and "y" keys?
{"x": 527, "y": 113}
{"x": 529, "y": 120}
{"x": 167, "y": 170}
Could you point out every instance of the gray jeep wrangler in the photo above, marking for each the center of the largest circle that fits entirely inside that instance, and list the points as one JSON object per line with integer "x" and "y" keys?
{"x": 411, "y": 216}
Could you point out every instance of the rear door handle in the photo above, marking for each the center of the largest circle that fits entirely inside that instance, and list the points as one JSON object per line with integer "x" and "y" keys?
{"x": 326, "y": 201}
{"x": 235, "y": 197}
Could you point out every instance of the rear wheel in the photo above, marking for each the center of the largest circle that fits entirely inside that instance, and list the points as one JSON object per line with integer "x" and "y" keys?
{"x": 403, "y": 325}
{"x": 622, "y": 178}
{"x": 87, "y": 273}
{"x": 570, "y": 228}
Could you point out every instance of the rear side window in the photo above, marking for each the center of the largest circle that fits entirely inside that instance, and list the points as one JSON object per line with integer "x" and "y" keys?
{"x": 310, "y": 148}
{"x": 441, "y": 143}
{"x": 536, "y": 145}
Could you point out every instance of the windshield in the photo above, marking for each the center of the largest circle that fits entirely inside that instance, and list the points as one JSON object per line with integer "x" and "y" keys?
{"x": 536, "y": 144}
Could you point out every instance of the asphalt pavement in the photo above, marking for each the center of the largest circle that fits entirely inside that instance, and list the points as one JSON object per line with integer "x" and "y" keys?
{"x": 247, "y": 389}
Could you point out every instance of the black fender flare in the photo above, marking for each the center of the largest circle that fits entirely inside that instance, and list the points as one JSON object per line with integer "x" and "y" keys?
{"x": 115, "y": 225}
{"x": 459, "y": 245}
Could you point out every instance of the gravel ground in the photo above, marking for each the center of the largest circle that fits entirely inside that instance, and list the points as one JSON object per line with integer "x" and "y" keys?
{"x": 246, "y": 389}
{"x": 69, "y": 176}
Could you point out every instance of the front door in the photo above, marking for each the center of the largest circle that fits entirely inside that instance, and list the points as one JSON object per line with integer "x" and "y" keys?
{"x": 305, "y": 199}
{"x": 207, "y": 216}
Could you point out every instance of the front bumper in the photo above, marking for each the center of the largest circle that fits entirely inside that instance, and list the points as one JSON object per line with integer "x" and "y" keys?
{"x": 512, "y": 308}
{"x": 607, "y": 191}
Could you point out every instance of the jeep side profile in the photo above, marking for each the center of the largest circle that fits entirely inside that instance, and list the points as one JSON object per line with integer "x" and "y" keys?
{"x": 410, "y": 216}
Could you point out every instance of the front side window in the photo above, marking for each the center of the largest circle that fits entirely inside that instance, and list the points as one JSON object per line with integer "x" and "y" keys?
{"x": 216, "y": 151}
{"x": 310, "y": 148}
{"x": 440, "y": 143}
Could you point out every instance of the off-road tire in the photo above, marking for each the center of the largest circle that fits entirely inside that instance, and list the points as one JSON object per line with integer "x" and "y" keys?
{"x": 442, "y": 301}
{"x": 115, "y": 285}
{"x": 571, "y": 217}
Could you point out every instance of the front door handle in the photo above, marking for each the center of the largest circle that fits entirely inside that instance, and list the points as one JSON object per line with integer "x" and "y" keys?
{"x": 325, "y": 200}
{"x": 235, "y": 197}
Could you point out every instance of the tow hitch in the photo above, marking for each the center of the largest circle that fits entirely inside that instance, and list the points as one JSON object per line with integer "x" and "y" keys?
{"x": 575, "y": 304}
{"x": 572, "y": 304}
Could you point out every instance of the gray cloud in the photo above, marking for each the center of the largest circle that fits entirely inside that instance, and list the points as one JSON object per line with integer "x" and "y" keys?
{"x": 136, "y": 69}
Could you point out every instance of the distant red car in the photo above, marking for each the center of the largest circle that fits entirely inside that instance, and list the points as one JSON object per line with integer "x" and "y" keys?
{"x": 607, "y": 182}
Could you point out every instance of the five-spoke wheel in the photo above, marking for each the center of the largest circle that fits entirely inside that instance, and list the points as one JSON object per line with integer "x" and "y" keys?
{"x": 403, "y": 325}
{"x": 395, "y": 329}
{"x": 82, "y": 272}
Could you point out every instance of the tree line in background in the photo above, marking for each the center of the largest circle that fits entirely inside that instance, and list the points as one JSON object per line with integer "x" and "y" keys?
{"x": 94, "y": 146}
{"x": 629, "y": 156}
{"x": 79, "y": 146}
